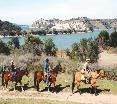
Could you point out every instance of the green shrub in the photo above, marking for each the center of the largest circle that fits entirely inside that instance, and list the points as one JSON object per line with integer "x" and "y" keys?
{"x": 49, "y": 47}
{"x": 87, "y": 48}
{"x": 4, "y": 48}
{"x": 113, "y": 39}
{"x": 33, "y": 45}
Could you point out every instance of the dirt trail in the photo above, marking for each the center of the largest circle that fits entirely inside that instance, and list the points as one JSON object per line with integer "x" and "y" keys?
{"x": 107, "y": 60}
{"x": 62, "y": 96}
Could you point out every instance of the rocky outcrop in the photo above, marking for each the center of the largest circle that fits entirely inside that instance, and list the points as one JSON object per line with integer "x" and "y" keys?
{"x": 75, "y": 24}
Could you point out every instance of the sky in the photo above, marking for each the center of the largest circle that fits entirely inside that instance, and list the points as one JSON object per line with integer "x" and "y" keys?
{"x": 28, "y": 11}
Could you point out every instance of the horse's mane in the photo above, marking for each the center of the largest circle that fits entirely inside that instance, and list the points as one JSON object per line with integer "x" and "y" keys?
{"x": 98, "y": 71}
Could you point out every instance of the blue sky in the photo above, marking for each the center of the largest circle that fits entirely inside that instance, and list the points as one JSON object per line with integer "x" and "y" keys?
{"x": 27, "y": 11}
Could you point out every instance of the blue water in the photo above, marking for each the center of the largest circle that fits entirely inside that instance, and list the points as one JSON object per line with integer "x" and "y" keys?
{"x": 66, "y": 41}
{"x": 61, "y": 41}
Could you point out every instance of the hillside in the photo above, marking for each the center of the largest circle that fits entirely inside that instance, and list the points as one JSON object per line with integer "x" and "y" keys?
{"x": 80, "y": 24}
{"x": 6, "y": 28}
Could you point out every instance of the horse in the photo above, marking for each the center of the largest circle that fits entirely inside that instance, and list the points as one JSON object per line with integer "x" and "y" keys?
{"x": 39, "y": 77}
{"x": 78, "y": 77}
{"x": 8, "y": 76}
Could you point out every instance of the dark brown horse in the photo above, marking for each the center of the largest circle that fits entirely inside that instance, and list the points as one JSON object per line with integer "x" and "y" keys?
{"x": 8, "y": 76}
{"x": 39, "y": 76}
{"x": 78, "y": 77}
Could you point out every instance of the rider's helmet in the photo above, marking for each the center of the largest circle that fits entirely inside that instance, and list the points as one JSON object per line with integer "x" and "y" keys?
{"x": 47, "y": 60}
{"x": 87, "y": 60}
{"x": 12, "y": 61}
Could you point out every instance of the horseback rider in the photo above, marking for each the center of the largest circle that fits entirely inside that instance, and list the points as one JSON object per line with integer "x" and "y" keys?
{"x": 13, "y": 69}
{"x": 86, "y": 70}
{"x": 86, "y": 65}
{"x": 12, "y": 66}
{"x": 46, "y": 70}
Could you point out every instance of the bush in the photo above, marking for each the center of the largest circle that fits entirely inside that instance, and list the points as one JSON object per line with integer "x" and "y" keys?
{"x": 33, "y": 45}
{"x": 87, "y": 48}
{"x": 15, "y": 42}
{"x": 113, "y": 39}
{"x": 103, "y": 39}
{"x": 4, "y": 48}
{"x": 49, "y": 47}
{"x": 104, "y": 34}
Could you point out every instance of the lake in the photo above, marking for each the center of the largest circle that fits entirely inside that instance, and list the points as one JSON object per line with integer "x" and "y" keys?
{"x": 61, "y": 41}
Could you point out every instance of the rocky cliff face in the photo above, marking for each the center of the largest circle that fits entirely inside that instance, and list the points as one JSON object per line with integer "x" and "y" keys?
{"x": 76, "y": 24}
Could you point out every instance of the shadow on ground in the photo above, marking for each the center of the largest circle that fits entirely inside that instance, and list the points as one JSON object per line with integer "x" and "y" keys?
{"x": 91, "y": 91}
{"x": 57, "y": 88}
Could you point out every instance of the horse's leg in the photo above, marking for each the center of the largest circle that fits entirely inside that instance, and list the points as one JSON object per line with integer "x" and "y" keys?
{"x": 37, "y": 86}
{"x": 78, "y": 85}
{"x": 14, "y": 85}
{"x": 73, "y": 83}
{"x": 3, "y": 80}
{"x": 53, "y": 87}
{"x": 93, "y": 86}
{"x": 95, "y": 89}
{"x": 6, "y": 84}
{"x": 49, "y": 86}
{"x": 22, "y": 86}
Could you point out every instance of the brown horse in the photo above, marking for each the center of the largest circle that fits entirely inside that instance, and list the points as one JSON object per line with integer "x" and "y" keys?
{"x": 78, "y": 77}
{"x": 8, "y": 76}
{"x": 39, "y": 76}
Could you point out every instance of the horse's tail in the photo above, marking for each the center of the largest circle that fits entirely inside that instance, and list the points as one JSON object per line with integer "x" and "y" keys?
{"x": 73, "y": 82}
{"x": 3, "y": 78}
{"x": 35, "y": 77}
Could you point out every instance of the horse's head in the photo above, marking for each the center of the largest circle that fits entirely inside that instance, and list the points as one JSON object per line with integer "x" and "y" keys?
{"x": 59, "y": 68}
{"x": 101, "y": 73}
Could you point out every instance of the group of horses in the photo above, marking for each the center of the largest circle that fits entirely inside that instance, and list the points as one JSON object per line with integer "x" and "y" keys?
{"x": 39, "y": 76}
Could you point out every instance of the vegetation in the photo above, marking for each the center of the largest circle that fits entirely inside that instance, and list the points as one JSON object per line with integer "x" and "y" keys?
{"x": 15, "y": 42}
{"x": 113, "y": 39}
{"x": 49, "y": 47}
{"x": 8, "y": 28}
{"x": 87, "y": 48}
{"x": 33, "y": 45}
{"x": 4, "y": 48}
{"x": 103, "y": 39}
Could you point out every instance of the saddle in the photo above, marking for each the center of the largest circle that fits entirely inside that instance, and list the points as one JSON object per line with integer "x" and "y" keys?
{"x": 85, "y": 76}
{"x": 47, "y": 77}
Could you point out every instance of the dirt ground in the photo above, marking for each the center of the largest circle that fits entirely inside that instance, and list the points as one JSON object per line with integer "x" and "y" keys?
{"x": 61, "y": 97}
{"x": 108, "y": 59}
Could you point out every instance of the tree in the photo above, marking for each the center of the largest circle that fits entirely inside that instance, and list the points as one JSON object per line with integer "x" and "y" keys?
{"x": 49, "y": 47}
{"x": 33, "y": 45}
{"x": 104, "y": 37}
{"x": 104, "y": 34}
{"x": 113, "y": 39}
{"x": 4, "y": 48}
{"x": 16, "y": 42}
{"x": 87, "y": 48}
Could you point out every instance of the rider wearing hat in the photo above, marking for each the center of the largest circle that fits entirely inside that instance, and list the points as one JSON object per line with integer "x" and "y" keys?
{"x": 86, "y": 70}
{"x": 12, "y": 66}
{"x": 13, "y": 69}
{"x": 86, "y": 65}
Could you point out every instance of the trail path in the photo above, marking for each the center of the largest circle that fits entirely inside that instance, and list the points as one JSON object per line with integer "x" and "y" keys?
{"x": 108, "y": 60}
{"x": 62, "y": 96}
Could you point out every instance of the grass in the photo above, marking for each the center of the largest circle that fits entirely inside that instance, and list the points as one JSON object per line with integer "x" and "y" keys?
{"x": 106, "y": 84}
